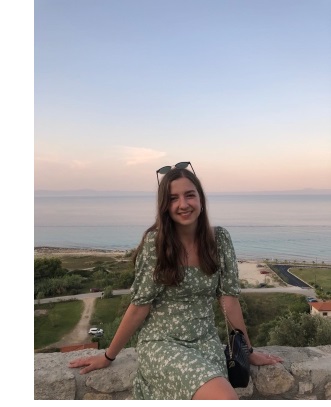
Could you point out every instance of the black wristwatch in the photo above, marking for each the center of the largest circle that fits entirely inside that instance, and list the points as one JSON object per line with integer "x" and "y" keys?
{"x": 250, "y": 350}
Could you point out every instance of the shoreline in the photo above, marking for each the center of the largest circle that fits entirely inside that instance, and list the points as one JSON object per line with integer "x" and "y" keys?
{"x": 249, "y": 270}
{"x": 72, "y": 251}
{"x": 48, "y": 250}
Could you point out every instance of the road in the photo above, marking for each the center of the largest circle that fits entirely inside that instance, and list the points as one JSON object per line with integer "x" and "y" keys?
{"x": 284, "y": 274}
{"x": 309, "y": 292}
{"x": 79, "y": 296}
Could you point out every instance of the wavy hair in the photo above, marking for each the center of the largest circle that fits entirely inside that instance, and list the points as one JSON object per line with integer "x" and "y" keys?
{"x": 169, "y": 269}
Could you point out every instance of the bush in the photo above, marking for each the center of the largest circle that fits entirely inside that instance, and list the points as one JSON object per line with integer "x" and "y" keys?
{"x": 300, "y": 331}
{"x": 108, "y": 292}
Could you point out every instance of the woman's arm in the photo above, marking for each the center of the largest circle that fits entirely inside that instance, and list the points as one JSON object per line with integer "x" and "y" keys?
{"x": 236, "y": 319}
{"x": 132, "y": 320}
{"x": 234, "y": 314}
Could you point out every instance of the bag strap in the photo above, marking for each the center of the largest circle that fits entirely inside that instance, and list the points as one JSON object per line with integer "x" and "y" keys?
{"x": 219, "y": 240}
{"x": 227, "y": 322}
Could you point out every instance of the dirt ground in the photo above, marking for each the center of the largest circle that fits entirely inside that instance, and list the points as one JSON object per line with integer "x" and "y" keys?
{"x": 79, "y": 334}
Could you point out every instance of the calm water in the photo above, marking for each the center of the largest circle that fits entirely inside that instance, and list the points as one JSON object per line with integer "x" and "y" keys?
{"x": 261, "y": 226}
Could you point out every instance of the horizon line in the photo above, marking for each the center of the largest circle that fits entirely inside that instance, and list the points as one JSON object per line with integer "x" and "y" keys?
{"x": 99, "y": 191}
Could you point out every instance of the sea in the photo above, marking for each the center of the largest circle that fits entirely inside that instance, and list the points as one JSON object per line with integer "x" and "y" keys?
{"x": 262, "y": 226}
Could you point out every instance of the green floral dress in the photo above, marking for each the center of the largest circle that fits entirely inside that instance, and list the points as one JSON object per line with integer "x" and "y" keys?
{"x": 178, "y": 347}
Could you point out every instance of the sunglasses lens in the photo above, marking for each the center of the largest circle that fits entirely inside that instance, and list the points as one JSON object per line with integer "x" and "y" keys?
{"x": 182, "y": 165}
{"x": 164, "y": 170}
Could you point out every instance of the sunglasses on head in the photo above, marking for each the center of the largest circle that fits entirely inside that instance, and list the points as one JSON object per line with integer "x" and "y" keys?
{"x": 167, "y": 168}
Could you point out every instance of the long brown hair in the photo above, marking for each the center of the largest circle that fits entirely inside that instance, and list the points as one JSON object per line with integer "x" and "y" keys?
{"x": 169, "y": 268}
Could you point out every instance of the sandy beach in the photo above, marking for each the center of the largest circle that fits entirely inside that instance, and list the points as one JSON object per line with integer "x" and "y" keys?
{"x": 249, "y": 270}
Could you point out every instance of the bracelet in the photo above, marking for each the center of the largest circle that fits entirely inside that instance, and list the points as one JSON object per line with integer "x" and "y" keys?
{"x": 251, "y": 350}
{"x": 110, "y": 359}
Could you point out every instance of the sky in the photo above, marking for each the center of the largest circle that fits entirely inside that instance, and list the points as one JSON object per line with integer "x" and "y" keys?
{"x": 240, "y": 88}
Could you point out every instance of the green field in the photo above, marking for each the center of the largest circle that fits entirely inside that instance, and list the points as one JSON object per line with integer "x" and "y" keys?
{"x": 90, "y": 262}
{"x": 314, "y": 275}
{"x": 59, "y": 319}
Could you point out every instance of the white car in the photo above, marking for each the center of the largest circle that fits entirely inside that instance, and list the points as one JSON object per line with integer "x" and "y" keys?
{"x": 94, "y": 331}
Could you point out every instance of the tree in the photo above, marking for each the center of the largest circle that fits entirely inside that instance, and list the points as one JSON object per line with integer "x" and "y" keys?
{"x": 300, "y": 330}
{"x": 56, "y": 281}
{"x": 48, "y": 268}
{"x": 263, "y": 336}
{"x": 108, "y": 292}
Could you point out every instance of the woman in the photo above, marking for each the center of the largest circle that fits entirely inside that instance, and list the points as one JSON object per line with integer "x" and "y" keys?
{"x": 178, "y": 276}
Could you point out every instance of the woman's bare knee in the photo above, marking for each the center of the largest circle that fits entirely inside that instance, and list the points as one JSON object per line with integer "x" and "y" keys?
{"x": 216, "y": 389}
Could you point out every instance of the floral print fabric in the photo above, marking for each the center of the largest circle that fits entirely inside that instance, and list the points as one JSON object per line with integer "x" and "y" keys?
{"x": 178, "y": 347}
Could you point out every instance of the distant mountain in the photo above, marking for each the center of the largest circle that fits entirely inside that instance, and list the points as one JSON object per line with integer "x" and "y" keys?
{"x": 91, "y": 192}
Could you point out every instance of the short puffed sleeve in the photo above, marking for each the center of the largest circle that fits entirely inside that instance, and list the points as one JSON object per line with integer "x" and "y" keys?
{"x": 144, "y": 290}
{"x": 229, "y": 277}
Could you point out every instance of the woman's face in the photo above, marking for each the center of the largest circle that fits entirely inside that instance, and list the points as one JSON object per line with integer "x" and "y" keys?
{"x": 185, "y": 206}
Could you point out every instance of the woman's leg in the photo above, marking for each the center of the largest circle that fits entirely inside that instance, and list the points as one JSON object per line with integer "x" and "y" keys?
{"x": 216, "y": 389}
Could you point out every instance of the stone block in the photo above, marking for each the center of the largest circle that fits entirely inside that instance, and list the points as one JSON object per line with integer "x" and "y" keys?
{"x": 272, "y": 379}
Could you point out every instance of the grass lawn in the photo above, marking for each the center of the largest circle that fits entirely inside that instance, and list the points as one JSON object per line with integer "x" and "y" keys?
{"x": 90, "y": 261}
{"x": 59, "y": 319}
{"x": 314, "y": 275}
{"x": 108, "y": 309}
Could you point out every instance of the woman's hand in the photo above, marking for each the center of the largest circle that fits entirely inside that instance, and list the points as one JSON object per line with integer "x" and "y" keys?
{"x": 260, "y": 359}
{"x": 91, "y": 363}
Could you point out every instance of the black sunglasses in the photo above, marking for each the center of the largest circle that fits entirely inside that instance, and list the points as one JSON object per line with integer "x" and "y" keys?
{"x": 167, "y": 168}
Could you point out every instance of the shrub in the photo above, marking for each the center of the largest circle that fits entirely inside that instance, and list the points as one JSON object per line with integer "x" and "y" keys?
{"x": 300, "y": 331}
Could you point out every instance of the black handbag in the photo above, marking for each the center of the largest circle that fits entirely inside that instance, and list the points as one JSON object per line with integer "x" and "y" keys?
{"x": 236, "y": 351}
{"x": 237, "y": 359}
{"x": 237, "y": 355}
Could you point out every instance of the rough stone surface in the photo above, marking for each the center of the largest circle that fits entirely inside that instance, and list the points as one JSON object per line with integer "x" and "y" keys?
{"x": 272, "y": 379}
{"x": 122, "y": 374}
{"x": 305, "y": 387}
{"x": 328, "y": 391}
{"x": 52, "y": 380}
{"x": 245, "y": 392}
{"x": 305, "y": 374}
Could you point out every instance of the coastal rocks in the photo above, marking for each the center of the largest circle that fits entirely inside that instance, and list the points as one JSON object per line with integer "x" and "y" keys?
{"x": 305, "y": 374}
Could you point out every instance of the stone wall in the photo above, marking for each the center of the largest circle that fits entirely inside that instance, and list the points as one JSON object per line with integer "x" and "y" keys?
{"x": 305, "y": 374}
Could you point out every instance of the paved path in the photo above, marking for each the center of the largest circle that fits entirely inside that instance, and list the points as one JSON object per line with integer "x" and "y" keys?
{"x": 286, "y": 275}
{"x": 79, "y": 296}
{"x": 309, "y": 292}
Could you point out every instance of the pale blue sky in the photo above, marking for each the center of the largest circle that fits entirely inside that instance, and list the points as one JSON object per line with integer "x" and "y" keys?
{"x": 241, "y": 88}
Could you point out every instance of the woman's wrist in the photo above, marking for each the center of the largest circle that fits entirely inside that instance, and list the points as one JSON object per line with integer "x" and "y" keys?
{"x": 109, "y": 358}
